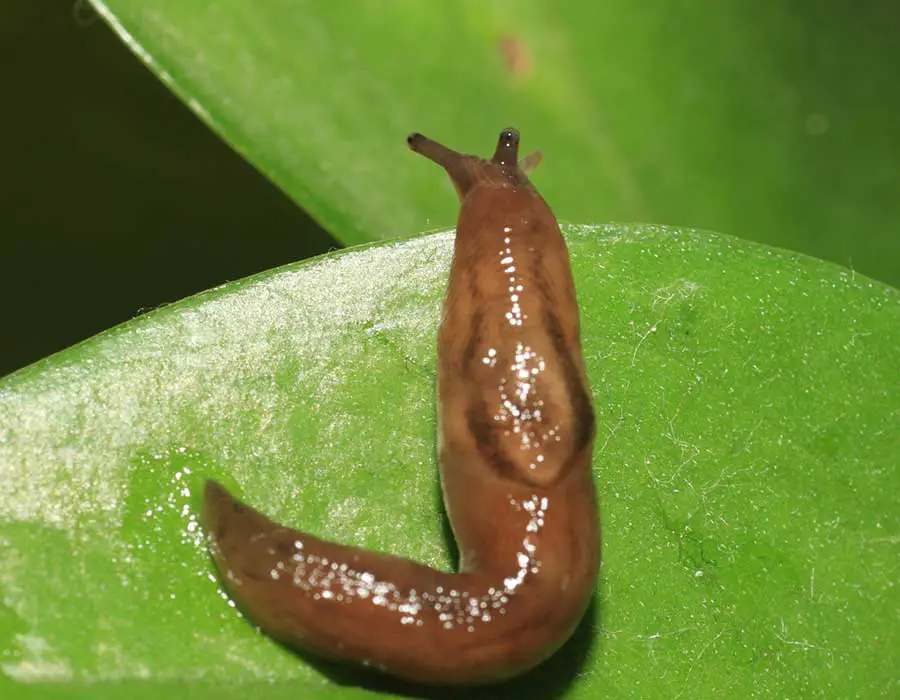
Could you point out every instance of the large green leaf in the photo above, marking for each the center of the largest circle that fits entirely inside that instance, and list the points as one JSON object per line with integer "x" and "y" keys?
{"x": 734, "y": 117}
{"x": 746, "y": 462}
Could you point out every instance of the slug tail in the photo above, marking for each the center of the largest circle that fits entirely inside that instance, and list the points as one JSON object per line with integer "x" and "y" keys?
{"x": 373, "y": 609}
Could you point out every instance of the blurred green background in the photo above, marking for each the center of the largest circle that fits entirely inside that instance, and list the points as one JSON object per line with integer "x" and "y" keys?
{"x": 764, "y": 120}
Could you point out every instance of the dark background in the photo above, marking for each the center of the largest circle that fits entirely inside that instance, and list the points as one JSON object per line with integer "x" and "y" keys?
{"x": 82, "y": 245}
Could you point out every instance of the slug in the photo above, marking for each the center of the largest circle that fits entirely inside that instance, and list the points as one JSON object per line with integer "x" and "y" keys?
{"x": 515, "y": 433}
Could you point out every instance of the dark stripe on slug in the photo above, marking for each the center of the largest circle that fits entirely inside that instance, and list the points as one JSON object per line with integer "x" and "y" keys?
{"x": 476, "y": 297}
{"x": 546, "y": 292}
{"x": 579, "y": 399}
{"x": 489, "y": 447}
{"x": 472, "y": 344}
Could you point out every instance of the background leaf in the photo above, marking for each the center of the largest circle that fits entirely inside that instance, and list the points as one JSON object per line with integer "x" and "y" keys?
{"x": 766, "y": 120}
{"x": 746, "y": 461}
{"x": 769, "y": 121}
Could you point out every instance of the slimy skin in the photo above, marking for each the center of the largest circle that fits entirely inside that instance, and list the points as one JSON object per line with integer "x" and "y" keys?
{"x": 516, "y": 432}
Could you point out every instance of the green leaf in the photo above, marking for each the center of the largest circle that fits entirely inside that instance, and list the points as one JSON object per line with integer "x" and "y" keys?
{"x": 705, "y": 114}
{"x": 746, "y": 463}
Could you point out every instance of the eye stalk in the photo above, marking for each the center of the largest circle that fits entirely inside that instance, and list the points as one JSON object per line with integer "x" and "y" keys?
{"x": 467, "y": 172}
{"x": 507, "y": 153}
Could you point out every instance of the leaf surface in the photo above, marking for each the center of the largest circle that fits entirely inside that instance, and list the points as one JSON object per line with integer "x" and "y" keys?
{"x": 745, "y": 458}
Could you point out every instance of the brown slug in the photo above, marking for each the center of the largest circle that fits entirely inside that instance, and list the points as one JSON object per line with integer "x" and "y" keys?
{"x": 515, "y": 432}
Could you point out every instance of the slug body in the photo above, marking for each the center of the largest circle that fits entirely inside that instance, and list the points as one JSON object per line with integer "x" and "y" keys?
{"x": 516, "y": 430}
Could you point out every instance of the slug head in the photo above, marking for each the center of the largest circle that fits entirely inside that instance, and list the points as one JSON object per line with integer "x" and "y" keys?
{"x": 467, "y": 172}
